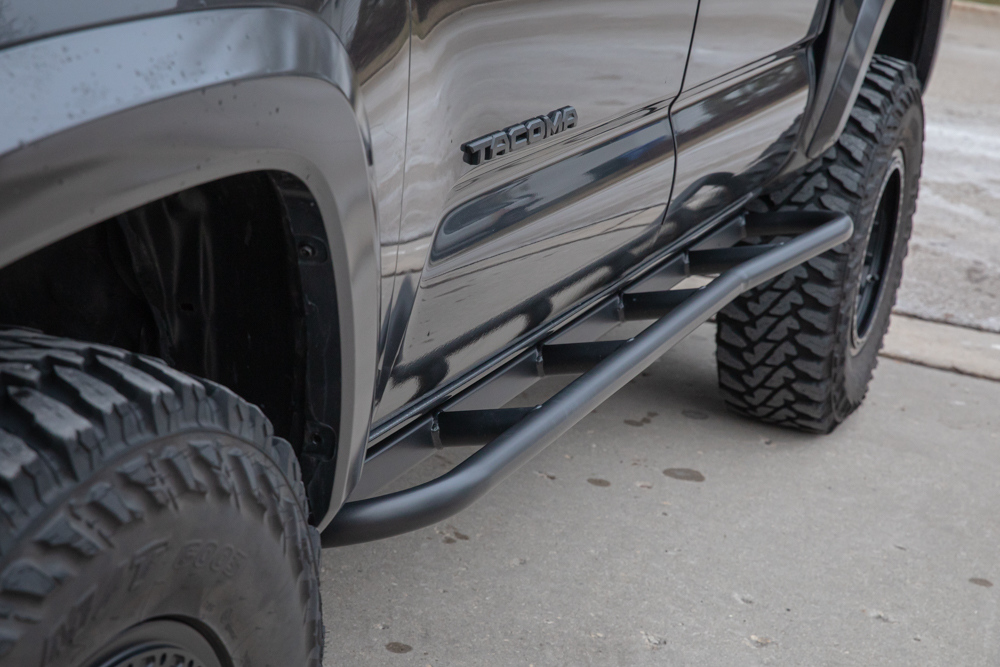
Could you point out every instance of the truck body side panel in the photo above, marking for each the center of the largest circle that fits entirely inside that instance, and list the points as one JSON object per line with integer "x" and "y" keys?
{"x": 25, "y": 20}
{"x": 732, "y": 34}
{"x": 376, "y": 36}
{"x": 438, "y": 265}
{"x": 745, "y": 92}
{"x": 490, "y": 252}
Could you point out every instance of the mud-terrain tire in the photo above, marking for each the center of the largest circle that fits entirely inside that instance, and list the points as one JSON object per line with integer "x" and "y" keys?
{"x": 799, "y": 350}
{"x": 145, "y": 515}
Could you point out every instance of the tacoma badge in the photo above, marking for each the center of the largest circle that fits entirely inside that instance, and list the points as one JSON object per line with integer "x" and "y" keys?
{"x": 518, "y": 136}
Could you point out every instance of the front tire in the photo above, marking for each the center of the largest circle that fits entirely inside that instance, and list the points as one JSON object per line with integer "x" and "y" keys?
{"x": 145, "y": 514}
{"x": 799, "y": 351}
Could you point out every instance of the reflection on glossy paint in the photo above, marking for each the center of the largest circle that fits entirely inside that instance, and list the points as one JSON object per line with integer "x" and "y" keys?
{"x": 734, "y": 133}
{"x": 618, "y": 244}
{"x": 498, "y": 249}
{"x": 526, "y": 199}
{"x": 22, "y": 20}
{"x": 376, "y": 34}
{"x": 474, "y": 258}
{"x": 735, "y": 33}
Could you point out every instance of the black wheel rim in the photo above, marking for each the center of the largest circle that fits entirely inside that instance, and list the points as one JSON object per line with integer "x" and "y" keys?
{"x": 878, "y": 251}
{"x": 163, "y": 643}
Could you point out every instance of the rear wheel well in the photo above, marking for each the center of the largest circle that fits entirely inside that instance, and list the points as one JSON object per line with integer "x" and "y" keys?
{"x": 207, "y": 279}
{"x": 911, "y": 33}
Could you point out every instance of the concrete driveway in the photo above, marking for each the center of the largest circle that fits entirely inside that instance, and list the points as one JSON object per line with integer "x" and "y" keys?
{"x": 953, "y": 270}
{"x": 663, "y": 530}
{"x": 877, "y": 545}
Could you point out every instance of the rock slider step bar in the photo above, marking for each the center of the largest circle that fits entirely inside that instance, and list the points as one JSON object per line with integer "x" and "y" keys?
{"x": 440, "y": 498}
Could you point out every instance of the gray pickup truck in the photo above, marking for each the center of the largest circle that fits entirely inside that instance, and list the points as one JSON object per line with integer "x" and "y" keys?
{"x": 259, "y": 258}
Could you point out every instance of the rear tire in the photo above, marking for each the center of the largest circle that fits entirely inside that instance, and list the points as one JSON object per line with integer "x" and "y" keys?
{"x": 145, "y": 514}
{"x": 799, "y": 351}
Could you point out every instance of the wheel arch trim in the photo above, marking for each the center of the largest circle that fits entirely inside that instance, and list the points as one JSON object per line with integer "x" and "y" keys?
{"x": 111, "y": 118}
{"x": 853, "y": 31}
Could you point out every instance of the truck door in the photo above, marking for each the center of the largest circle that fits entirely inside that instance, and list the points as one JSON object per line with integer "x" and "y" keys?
{"x": 539, "y": 161}
{"x": 745, "y": 92}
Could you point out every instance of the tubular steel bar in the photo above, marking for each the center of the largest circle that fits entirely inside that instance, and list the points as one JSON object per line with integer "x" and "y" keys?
{"x": 779, "y": 223}
{"x": 440, "y": 498}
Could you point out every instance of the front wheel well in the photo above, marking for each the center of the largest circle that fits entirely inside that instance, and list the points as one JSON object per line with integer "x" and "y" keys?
{"x": 208, "y": 279}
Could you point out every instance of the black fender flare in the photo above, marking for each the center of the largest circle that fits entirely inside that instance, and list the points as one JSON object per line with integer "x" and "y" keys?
{"x": 852, "y": 31}
{"x": 103, "y": 120}
{"x": 850, "y": 34}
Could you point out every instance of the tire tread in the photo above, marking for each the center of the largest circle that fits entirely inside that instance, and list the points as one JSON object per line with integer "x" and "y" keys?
{"x": 778, "y": 344}
{"x": 69, "y": 409}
